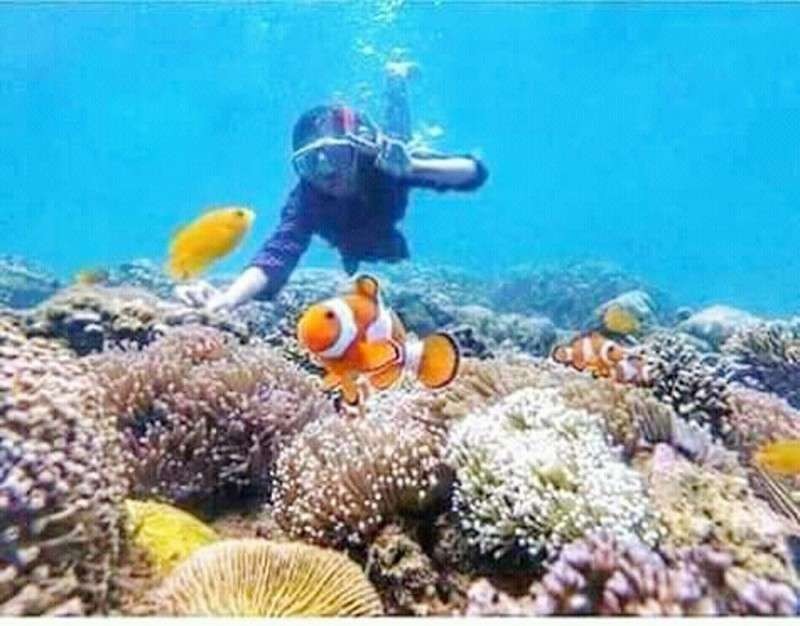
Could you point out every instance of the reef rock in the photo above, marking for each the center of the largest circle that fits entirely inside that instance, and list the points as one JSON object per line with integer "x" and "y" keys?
{"x": 716, "y": 324}
{"x": 24, "y": 284}
{"x": 92, "y": 318}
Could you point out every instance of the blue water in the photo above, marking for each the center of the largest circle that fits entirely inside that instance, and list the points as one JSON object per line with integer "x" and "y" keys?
{"x": 662, "y": 138}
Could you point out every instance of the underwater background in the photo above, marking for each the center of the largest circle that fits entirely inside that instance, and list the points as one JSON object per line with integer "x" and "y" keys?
{"x": 663, "y": 138}
{"x": 587, "y": 403}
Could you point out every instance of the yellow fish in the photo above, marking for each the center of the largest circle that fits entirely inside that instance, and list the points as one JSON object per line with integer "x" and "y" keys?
{"x": 210, "y": 237}
{"x": 620, "y": 321}
{"x": 780, "y": 457}
{"x": 91, "y": 277}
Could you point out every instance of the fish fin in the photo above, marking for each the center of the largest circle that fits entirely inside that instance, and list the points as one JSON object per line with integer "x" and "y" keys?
{"x": 386, "y": 377}
{"x": 349, "y": 391}
{"x": 375, "y": 355}
{"x": 330, "y": 381}
{"x": 368, "y": 286}
{"x": 439, "y": 361}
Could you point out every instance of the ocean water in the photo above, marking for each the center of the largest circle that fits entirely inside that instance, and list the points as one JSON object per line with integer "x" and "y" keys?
{"x": 661, "y": 137}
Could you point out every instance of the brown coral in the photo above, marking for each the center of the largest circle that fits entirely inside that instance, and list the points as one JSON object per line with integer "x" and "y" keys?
{"x": 201, "y": 416}
{"x": 700, "y": 505}
{"x": 258, "y": 578}
{"x": 60, "y": 493}
{"x": 339, "y": 481}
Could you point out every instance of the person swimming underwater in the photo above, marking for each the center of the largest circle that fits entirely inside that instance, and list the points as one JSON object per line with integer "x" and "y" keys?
{"x": 353, "y": 189}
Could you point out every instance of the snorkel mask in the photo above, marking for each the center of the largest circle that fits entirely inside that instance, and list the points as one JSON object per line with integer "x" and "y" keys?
{"x": 328, "y": 142}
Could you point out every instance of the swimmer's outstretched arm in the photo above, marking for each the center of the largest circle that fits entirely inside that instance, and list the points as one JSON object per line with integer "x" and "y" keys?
{"x": 447, "y": 171}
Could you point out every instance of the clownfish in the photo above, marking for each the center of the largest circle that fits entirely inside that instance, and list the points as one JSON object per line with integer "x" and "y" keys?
{"x": 603, "y": 358}
{"x": 357, "y": 334}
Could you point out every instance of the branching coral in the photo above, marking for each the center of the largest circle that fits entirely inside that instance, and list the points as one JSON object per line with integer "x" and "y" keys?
{"x": 59, "y": 485}
{"x": 533, "y": 335}
{"x": 533, "y": 474}
{"x": 89, "y": 318}
{"x": 695, "y": 384}
{"x": 600, "y": 575}
{"x": 767, "y": 357}
{"x": 257, "y": 578}
{"x": 339, "y": 481}
{"x": 700, "y": 505}
{"x": 200, "y": 415}
{"x": 167, "y": 535}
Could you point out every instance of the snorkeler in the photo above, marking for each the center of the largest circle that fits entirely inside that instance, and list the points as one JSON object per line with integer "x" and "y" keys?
{"x": 353, "y": 189}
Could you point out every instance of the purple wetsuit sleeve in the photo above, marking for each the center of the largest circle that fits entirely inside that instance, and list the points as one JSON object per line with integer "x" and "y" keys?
{"x": 280, "y": 253}
{"x": 481, "y": 174}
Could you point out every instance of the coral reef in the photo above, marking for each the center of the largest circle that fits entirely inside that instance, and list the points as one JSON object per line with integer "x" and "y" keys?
{"x": 767, "y": 357}
{"x": 636, "y": 305}
{"x": 200, "y": 415}
{"x": 533, "y": 474}
{"x": 533, "y": 335}
{"x": 259, "y": 578}
{"x": 694, "y": 383}
{"x": 91, "y": 318}
{"x": 700, "y": 505}
{"x": 144, "y": 274}
{"x": 340, "y": 481}
{"x": 408, "y": 580}
{"x": 166, "y": 534}
{"x": 567, "y": 294}
{"x": 758, "y": 418}
{"x": 23, "y": 284}
{"x": 60, "y": 501}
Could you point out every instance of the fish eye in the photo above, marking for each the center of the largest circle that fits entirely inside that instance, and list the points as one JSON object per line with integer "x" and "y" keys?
{"x": 239, "y": 213}
{"x": 329, "y": 315}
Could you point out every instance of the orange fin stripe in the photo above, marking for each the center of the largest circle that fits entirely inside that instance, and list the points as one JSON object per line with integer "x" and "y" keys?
{"x": 385, "y": 378}
{"x": 379, "y": 354}
{"x": 331, "y": 381}
{"x": 440, "y": 360}
{"x": 367, "y": 286}
{"x": 349, "y": 391}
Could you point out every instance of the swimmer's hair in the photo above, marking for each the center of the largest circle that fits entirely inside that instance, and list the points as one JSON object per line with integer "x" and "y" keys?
{"x": 324, "y": 121}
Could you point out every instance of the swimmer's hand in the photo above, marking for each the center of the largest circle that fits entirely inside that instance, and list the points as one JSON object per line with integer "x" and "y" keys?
{"x": 393, "y": 158}
{"x": 201, "y": 294}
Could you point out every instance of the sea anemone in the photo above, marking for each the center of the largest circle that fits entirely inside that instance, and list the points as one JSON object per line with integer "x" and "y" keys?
{"x": 339, "y": 481}
{"x": 201, "y": 416}
{"x": 533, "y": 474}
{"x": 166, "y": 534}
{"x": 258, "y": 578}
{"x": 60, "y": 489}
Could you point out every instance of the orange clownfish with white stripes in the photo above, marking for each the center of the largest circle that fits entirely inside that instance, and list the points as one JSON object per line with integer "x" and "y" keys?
{"x": 356, "y": 334}
{"x": 603, "y": 358}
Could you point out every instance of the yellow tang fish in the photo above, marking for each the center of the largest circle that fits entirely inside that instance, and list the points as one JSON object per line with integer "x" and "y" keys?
{"x": 210, "y": 237}
{"x": 780, "y": 457}
{"x": 619, "y": 320}
{"x": 93, "y": 276}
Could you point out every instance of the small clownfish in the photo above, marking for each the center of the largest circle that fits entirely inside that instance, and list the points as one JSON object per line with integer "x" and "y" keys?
{"x": 357, "y": 334}
{"x": 603, "y": 358}
{"x": 210, "y": 237}
{"x": 780, "y": 457}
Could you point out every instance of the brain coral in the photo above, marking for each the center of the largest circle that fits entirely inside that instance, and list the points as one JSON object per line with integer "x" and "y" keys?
{"x": 60, "y": 491}
{"x": 258, "y": 578}
{"x": 533, "y": 474}
{"x": 201, "y": 416}
{"x": 339, "y": 481}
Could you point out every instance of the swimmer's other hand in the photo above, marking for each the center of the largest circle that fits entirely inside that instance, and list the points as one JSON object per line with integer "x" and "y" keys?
{"x": 393, "y": 158}
{"x": 200, "y": 294}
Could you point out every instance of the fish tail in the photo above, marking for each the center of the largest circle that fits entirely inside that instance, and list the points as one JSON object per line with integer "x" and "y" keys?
{"x": 438, "y": 359}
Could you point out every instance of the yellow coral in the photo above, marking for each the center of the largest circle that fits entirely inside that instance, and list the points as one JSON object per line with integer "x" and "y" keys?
{"x": 168, "y": 535}
{"x": 259, "y": 578}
